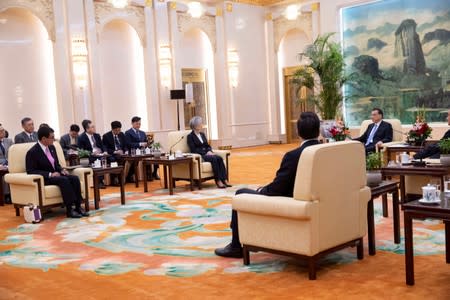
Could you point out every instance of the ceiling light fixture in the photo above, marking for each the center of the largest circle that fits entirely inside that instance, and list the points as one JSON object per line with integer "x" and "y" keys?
{"x": 292, "y": 12}
{"x": 119, "y": 3}
{"x": 195, "y": 9}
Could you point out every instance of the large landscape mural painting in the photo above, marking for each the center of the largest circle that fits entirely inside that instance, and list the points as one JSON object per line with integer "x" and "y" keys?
{"x": 398, "y": 52}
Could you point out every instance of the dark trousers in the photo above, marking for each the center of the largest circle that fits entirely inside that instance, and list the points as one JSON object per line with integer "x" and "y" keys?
{"x": 219, "y": 170}
{"x": 235, "y": 242}
{"x": 370, "y": 148}
{"x": 70, "y": 189}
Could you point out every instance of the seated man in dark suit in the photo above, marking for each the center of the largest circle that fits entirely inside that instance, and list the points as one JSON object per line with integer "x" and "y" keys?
{"x": 377, "y": 133}
{"x": 42, "y": 159}
{"x": 69, "y": 141}
{"x": 308, "y": 128}
{"x": 5, "y": 143}
{"x": 28, "y": 135}
{"x": 136, "y": 138}
{"x": 114, "y": 144}
{"x": 91, "y": 141}
{"x": 433, "y": 150}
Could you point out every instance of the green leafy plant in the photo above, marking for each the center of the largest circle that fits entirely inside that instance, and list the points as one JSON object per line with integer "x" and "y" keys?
{"x": 444, "y": 146}
{"x": 327, "y": 62}
{"x": 83, "y": 153}
{"x": 373, "y": 162}
{"x": 156, "y": 146}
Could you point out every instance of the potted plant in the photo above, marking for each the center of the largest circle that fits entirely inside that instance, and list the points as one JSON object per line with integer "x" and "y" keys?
{"x": 325, "y": 72}
{"x": 156, "y": 149}
{"x": 84, "y": 157}
{"x": 444, "y": 147}
{"x": 373, "y": 166}
{"x": 339, "y": 132}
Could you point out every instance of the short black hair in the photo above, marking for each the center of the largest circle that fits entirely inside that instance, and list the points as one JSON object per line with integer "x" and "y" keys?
{"x": 43, "y": 125}
{"x": 116, "y": 124}
{"x": 378, "y": 110}
{"x": 86, "y": 124}
{"x": 44, "y": 131}
{"x": 308, "y": 125}
{"x": 75, "y": 127}
{"x": 26, "y": 119}
{"x": 135, "y": 119}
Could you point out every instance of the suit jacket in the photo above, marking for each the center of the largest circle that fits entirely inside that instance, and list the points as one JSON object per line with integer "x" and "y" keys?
{"x": 6, "y": 144}
{"x": 383, "y": 134}
{"x": 433, "y": 150}
{"x": 65, "y": 143}
{"x": 85, "y": 144}
{"x": 23, "y": 137}
{"x": 108, "y": 142}
{"x": 283, "y": 183}
{"x": 197, "y": 146}
{"x": 37, "y": 162}
{"x": 134, "y": 139}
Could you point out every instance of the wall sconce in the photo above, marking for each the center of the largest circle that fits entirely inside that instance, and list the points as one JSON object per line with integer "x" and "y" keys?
{"x": 119, "y": 3}
{"x": 292, "y": 12}
{"x": 79, "y": 62}
{"x": 233, "y": 67}
{"x": 195, "y": 9}
{"x": 165, "y": 65}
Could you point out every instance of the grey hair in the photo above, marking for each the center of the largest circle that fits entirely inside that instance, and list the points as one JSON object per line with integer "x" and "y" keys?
{"x": 195, "y": 121}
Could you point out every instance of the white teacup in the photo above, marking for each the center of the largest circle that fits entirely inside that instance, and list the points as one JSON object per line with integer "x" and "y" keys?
{"x": 430, "y": 193}
{"x": 404, "y": 158}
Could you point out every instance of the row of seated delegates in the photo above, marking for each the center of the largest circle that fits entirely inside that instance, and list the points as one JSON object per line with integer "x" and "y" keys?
{"x": 377, "y": 133}
{"x": 433, "y": 150}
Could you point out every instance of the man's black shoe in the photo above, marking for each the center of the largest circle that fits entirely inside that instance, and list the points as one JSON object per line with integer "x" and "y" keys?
{"x": 73, "y": 214}
{"x": 229, "y": 251}
{"x": 81, "y": 212}
{"x": 156, "y": 176}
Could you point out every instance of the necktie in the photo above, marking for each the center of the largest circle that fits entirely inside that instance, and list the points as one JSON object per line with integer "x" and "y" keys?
{"x": 2, "y": 149}
{"x": 372, "y": 133}
{"x": 93, "y": 142}
{"x": 116, "y": 143}
{"x": 31, "y": 137}
{"x": 50, "y": 157}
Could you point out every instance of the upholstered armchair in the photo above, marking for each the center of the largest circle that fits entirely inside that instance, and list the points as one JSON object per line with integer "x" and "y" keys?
{"x": 328, "y": 211}
{"x": 177, "y": 140}
{"x": 27, "y": 188}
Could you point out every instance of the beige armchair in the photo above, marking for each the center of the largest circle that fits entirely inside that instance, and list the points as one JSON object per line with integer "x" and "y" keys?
{"x": 27, "y": 189}
{"x": 327, "y": 213}
{"x": 177, "y": 140}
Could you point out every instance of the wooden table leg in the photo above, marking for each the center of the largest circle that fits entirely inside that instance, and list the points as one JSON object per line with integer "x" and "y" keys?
{"x": 170, "y": 180}
{"x": 396, "y": 213}
{"x": 144, "y": 169}
{"x": 402, "y": 189}
{"x": 96, "y": 192}
{"x": 191, "y": 174}
{"x": 385, "y": 205}
{"x": 371, "y": 227}
{"x": 2, "y": 195}
{"x": 122, "y": 188}
{"x": 136, "y": 173}
{"x": 409, "y": 250}
{"x": 165, "y": 177}
{"x": 447, "y": 241}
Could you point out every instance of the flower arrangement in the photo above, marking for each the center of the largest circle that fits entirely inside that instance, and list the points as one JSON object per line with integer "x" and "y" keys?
{"x": 339, "y": 132}
{"x": 420, "y": 131}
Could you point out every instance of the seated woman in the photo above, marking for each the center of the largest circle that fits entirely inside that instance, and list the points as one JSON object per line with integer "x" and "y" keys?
{"x": 199, "y": 144}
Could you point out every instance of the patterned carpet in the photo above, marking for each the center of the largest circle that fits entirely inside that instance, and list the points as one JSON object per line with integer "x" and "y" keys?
{"x": 163, "y": 236}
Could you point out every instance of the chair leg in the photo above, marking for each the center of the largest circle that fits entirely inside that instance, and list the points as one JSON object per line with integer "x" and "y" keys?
{"x": 360, "y": 249}
{"x": 199, "y": 184}
{"x": 312, "y": 268}
{"x": 17, "y": 210}
{"x": 246, "y": 254}
{"x": 385, "y": 206}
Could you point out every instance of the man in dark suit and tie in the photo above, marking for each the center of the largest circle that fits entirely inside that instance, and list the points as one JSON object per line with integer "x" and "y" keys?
{"x": 28, "y": 135}
{"x": 377, "y": 133}
{"x": 5, "y": 143}
{"x": 136, "y": 138}
{"x": 114, "y": 144}
{"x": 42, "y": 159}
{"x": 91, "y": 141}
{"x": 433, "y": 150}
{"x": 69, "y": 141}
{"x": 308, "y": 128}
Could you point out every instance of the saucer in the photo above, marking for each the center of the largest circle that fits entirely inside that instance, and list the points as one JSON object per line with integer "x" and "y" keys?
{"x": 423, "y": 201}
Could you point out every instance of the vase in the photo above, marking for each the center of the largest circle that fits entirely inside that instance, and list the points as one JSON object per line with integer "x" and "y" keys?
{"x": 157, "y": 154}
{"x": 374, "y": 178}
{"x": 445, "y": 160}
{"x": 325, "y": 126}
{"x": 84, "y": 161}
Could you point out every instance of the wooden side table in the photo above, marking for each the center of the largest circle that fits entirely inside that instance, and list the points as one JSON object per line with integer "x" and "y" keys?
{"x": 416, "y": 210}
{"x": 167, "y": 166}
{"x": 135, "y": 159}
{"x": 98, "y": 172}
{"x": 383, "y": 189}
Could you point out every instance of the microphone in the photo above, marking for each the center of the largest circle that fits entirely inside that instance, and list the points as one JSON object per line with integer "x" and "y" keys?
{"x": 170, "y": 150}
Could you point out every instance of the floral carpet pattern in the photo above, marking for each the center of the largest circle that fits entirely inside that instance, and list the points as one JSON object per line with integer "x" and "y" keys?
{"x": 161, "y": 235}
